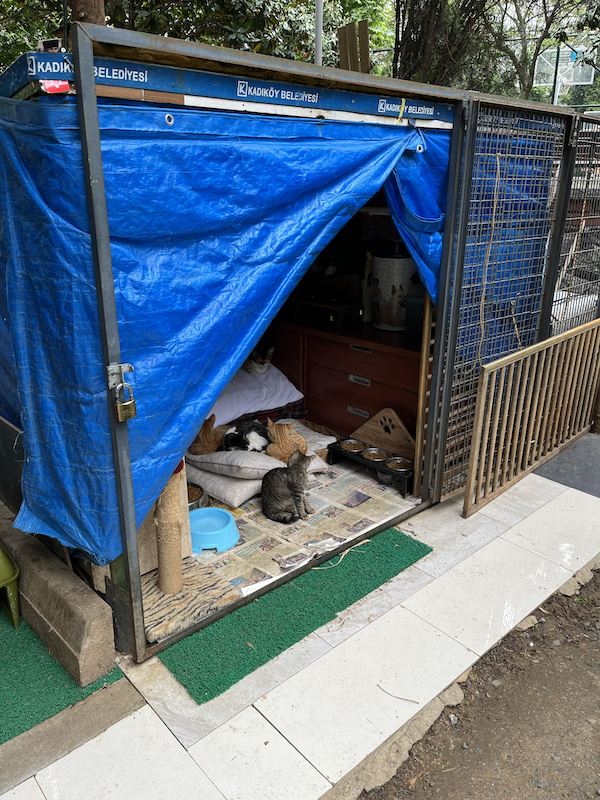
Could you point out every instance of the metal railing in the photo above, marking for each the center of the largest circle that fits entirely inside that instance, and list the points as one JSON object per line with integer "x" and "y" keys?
{"x": 529, "y": 406}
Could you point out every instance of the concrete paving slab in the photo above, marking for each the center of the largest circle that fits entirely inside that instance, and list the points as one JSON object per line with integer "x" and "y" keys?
{"x": 23, "y": 756}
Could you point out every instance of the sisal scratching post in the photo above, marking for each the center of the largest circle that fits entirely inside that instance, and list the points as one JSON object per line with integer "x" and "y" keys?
{"x": 168, "y": 522}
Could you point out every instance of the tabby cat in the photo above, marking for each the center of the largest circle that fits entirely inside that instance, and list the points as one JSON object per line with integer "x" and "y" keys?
{"x": 257, "y": 363}
{"x": 284, "y": 490}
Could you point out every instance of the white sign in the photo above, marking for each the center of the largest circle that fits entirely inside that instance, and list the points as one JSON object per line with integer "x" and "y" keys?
{"x": 572, "y": 71}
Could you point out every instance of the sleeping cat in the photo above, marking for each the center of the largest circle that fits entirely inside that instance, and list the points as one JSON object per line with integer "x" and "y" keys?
{"x": 247, "y": 436}
{"x": 283, "y": 490}
{"x": 256, "y": 363}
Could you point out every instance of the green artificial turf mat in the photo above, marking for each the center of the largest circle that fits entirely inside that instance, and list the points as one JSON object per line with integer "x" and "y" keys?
{"x": 213, "y": 659}
{"x": 33, "y": 685}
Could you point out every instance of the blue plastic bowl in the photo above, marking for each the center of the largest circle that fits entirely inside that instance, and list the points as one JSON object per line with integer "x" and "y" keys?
{"x": 213, "y": 528}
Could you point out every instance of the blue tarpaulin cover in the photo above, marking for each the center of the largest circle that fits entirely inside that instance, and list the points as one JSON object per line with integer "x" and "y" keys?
{"x": 213, "y": 221}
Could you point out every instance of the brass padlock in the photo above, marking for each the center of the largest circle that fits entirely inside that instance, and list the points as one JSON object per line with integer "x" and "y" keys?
{"x": 125, "y": 409}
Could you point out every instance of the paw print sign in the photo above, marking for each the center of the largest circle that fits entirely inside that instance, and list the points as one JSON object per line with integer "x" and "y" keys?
{"x": 387, "y": 424}
{"x": 386, "y": 430}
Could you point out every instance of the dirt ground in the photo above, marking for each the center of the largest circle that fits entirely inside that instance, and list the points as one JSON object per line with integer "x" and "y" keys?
{"x": 529, "y": 726}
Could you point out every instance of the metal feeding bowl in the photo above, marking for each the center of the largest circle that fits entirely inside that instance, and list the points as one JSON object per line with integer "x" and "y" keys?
{"x": 352, "y": 445}
{"x": 375, "y": 454}
{"x": 197, "y": 497}
{"x": 399, "y": 464}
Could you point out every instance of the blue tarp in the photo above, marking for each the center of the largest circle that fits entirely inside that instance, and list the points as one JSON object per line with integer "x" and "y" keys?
{"x": 418, "y": 211}
{"x": 213, "y": 221}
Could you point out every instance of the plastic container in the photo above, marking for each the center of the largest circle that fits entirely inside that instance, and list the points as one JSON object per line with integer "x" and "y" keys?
{"x": 212, "y": 528}
{"x": 9, "y": 572}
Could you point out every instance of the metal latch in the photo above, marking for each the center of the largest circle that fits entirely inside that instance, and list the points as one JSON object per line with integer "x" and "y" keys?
{"x": 124, "y": 406}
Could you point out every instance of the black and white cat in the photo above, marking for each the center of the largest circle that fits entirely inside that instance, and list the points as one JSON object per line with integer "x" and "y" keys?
{"x": 247, "y": 436}
{"x": 284, "y": 490}
{"x": 257, "y": 363}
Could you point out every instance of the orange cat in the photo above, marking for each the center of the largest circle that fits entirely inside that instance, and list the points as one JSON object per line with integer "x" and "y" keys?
{"x": 283, "y": 438}
{"x": 209, "y": 438}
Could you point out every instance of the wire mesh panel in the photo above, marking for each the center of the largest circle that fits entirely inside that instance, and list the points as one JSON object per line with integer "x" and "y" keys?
{"x": 509, "y": 218}
{"x": 577, "y": 290}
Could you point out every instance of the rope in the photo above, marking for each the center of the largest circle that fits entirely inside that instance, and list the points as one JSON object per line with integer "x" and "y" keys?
{"x": 512, "y": 313}
{"x": 486, "y": 263}
{"x": 344, "y": 554}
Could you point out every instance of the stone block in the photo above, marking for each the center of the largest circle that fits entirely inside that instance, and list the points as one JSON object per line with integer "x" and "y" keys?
{"x": 74, "y": 623}
{"x": 585, "y": 574}
{"x": 452, "y": 696}
{"x": 526, "y": 623}
{"x": 570, "y": 588}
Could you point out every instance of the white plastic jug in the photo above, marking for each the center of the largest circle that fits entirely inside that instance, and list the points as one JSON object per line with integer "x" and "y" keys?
{"x": 391, "y": 282}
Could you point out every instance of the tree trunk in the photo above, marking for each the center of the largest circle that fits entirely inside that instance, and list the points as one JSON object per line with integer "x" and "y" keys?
{"x": 88, "y": 11}
{"x": 397, "y": 38}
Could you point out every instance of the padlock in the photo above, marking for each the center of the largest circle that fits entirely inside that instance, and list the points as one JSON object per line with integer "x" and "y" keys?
{"x": 125, "y": 409}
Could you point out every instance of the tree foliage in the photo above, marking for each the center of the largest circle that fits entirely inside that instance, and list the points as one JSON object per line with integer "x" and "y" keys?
{"x": 434, "y": 39}
{"x": 518, "y": 32}
{"x": 23, "y": 23}
{"x": 283, "y": 28}
{"x": 488, "y": 45}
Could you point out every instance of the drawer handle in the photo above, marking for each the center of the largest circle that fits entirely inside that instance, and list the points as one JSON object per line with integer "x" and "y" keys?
{"x": 359, "y": 380}
{"x": 358, "y": 411}
{"x": 360, "y": 349}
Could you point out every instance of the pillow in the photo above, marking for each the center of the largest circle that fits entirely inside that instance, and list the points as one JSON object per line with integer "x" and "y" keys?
{"x": 313, "y": 439}
{"x": 231, "y": 491}
{"x": 247, "y": 393}
{"x": 246, "y": 464}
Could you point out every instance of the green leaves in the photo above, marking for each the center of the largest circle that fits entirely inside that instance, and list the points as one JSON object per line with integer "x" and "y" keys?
{"x": 23, "y": 24}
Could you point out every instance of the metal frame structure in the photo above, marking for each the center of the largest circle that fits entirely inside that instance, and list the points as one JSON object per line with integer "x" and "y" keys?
{"x": 90, "y": 41}
{"x": 460, "y": 420}
{"x": 83, "y": 56}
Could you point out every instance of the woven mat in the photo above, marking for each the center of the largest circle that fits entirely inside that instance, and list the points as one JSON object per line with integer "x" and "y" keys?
{"x": 203, "y": 593}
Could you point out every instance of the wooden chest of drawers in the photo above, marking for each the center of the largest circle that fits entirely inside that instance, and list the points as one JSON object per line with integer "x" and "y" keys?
{"x": 349, "y": 376}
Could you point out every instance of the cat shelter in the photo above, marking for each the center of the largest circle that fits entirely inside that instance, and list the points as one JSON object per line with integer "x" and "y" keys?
{"x": 155, "y": 224}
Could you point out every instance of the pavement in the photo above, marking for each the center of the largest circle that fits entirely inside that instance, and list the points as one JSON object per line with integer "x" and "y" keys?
{"x": 336, "y": 712}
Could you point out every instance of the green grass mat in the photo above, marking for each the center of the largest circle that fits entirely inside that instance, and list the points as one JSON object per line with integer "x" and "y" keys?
{"x": 213, "y": 659}
{"x": 33, "y": 685}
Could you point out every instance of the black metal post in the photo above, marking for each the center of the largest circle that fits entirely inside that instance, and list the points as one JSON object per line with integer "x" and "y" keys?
{"x": 561, "y": 208}
{"x": 65, "y": 25}
{"x": 452, "y": 196}
{"x": 83, "y": 60}
{"x": 451, "y": 318}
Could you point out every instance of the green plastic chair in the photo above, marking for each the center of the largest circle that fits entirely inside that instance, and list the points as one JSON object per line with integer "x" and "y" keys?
{"x": 9, "y": 572}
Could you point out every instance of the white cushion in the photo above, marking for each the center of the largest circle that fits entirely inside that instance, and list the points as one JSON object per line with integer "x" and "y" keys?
{"x": 231, "y": 491}
{"x": 314, "y": 440}
{"x": 247, "y": 393}
{"x": 245, "y": 464}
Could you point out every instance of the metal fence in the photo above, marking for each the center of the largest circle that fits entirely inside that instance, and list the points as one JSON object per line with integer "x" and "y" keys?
{"x": 577, "y": 290}
{"x": 517, "y": 158}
